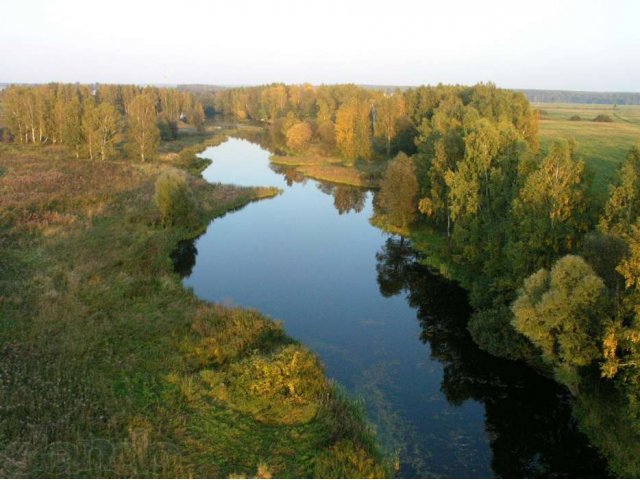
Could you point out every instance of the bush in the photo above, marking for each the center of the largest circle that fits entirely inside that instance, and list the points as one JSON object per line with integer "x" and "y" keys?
{"x": 603, "y": 118}
{"x": 575, "y": 118}
{"x": 284, "y": 387}
{"x": 168, "y": 130}
{"x": 175, "y": 200}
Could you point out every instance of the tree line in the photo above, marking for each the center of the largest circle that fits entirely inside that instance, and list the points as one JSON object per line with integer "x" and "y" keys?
{"x": 94, "y": 122}
{"x": 346, "y": 120}
{"x": 568, "y": 96}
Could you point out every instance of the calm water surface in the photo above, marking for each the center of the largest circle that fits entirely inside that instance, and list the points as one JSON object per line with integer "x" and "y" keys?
{"x": 389, "y": 330}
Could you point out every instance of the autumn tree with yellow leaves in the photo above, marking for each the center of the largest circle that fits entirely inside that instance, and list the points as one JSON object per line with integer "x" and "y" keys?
{"x": 298, "y": 136}
{"x": 353, "y": 128}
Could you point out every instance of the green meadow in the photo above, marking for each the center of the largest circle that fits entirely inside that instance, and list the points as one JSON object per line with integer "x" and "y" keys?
{"x": 602, "y": 145}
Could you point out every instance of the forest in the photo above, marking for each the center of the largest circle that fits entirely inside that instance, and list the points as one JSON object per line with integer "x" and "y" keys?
{"x": 552, "y": 270}
{"x": 98, "y": 122}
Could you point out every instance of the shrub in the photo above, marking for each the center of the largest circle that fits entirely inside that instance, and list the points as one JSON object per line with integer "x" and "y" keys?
{"x": 175, "y": 200}
{"x": 168, "y": 130}
{"x": 284, "y": 387}
{"x": 575, "y": 118}
{"x": 603, "y": 118}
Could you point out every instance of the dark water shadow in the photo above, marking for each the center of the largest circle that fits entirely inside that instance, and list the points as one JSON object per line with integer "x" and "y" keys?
{"x": 528, "y": 417}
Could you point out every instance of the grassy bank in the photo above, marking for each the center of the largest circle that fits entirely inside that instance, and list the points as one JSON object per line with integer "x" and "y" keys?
{"x": 331, "y": 169}
{"x": 109, "y": 367}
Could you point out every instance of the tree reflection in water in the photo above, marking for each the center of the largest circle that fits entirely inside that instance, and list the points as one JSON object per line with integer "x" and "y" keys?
{"x": 291, "y": 174}
{"x": 528, "y": 417}
{"x": 345, "y": 197}
{"x": 184, "y": 257}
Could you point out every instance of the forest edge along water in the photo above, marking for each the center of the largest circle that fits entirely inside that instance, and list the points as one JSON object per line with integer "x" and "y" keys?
{"x": 386, "y": 327}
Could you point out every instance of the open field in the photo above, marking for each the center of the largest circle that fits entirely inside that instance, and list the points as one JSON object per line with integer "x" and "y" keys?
{"x": 111, "y": 368}
{"x": 603, "y": 145}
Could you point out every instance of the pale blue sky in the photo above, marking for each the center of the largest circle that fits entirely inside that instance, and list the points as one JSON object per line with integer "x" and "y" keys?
{"x": 577, "y": 45}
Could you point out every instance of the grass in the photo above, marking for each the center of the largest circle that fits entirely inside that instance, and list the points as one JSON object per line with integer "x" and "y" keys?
{"x": 337, "y": 174}
{"x": 603, "y": 146}
{"x": 305, "y": 160}
{"x": 109, "y": 367}
{"x": 332, "y": 169}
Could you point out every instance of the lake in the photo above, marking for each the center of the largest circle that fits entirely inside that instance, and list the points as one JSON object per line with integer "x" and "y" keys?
{"x": 388, "y": 329}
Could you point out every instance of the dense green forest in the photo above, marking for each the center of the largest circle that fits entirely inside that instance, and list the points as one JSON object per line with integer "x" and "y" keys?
{"x": 553, "y": 273}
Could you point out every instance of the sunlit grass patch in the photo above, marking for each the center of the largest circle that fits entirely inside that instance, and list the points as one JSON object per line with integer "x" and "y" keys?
{"x": 602, "y": 145}
{"x": 223, "y": 334}
{"x": 305, "y": 160}
{"x": 279, "y": 388}
{"x": 337, "y": 174}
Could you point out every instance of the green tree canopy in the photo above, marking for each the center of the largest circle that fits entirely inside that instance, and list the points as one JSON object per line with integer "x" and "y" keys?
{"x": 623, "y": 206}
{"x": 563, "y": 313}
{"x": 550, "y": 210}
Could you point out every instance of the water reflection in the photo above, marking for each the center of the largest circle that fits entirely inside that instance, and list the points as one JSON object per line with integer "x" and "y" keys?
{"x": 528, "y": 417}
{"x": 345, "y": 197}
{"x": 184, "y": 257}
{"x": 291, "y": 174}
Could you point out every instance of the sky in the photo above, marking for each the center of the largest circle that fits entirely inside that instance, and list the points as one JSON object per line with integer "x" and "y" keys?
{"x": 547, "y": 44}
